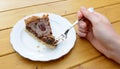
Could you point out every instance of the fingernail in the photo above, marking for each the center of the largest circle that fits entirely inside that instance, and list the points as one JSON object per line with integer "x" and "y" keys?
{"x": 78, "y": 12}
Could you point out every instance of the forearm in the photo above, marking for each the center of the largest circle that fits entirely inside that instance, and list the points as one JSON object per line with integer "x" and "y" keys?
{"x": 115, "y": 50}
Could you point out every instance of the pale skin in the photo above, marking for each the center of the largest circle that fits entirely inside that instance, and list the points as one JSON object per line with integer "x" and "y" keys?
{"x": 97, "y": 29}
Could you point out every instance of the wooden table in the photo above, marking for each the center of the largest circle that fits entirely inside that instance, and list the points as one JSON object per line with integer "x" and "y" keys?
{"x": 82, "y": 56}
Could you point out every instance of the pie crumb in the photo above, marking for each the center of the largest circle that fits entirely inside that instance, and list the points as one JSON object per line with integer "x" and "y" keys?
{"x": 38, "y": 46}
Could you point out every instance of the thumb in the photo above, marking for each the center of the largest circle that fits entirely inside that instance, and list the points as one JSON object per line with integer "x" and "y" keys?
{"x": 89, "y": 15}
{"x": 79, "y": 14}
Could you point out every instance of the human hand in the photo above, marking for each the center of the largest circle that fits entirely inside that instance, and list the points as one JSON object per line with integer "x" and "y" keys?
{"x": 97, "y": 29}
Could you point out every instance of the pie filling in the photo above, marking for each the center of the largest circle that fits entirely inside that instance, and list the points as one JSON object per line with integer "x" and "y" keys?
{"x": 40, "y": 28}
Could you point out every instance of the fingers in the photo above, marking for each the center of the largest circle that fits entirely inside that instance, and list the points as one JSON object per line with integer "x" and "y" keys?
{"x": 82, "y": 31}
{"x": 82, "y": 34}
{"x": 86, "y": 13}
{"x": 89, "y": 15}
{"x": 82, "y": 26}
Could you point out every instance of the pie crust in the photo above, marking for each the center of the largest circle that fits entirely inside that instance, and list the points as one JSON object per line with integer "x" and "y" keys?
{"x": 40, "y": 29}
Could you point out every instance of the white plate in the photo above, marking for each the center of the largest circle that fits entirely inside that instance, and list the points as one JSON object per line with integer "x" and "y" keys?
{"x": 32, "y": 49}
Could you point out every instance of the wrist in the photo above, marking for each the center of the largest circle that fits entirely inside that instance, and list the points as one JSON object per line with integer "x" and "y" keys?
{"x": 114, "y": 51}
{"x": 116, "y": 39}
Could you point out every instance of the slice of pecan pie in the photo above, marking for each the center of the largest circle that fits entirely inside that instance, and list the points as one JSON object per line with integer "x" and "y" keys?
{"x": 40, "y": 28}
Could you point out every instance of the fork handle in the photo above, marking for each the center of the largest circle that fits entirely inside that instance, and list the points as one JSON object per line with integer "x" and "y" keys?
{"x": 89, "y": 9}
{"x": 75, "y": 23}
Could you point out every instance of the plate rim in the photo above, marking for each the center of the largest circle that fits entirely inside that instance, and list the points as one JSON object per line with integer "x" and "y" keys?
{"x": 11, "y": 41}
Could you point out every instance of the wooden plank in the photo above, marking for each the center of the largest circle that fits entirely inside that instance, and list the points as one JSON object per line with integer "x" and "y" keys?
{"x": 91, "y": 52}
{"x": 14, "y": 61}
{"x": 9, "y": 18}
{"x": 111, "y": 12}
{"x": 5, "y": 46}
{"x": 82, "y": 52}
{"x": 99, "y": 63}
{"x": 13, "y": 4}
{"x": 5, "y": 40}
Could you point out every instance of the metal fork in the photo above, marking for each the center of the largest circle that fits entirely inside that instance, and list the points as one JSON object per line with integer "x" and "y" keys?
{"x": 63, "y": 36}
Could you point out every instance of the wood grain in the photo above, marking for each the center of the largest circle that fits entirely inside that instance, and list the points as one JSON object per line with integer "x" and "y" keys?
{"x": 99, "y": 63}
{"x": 13, "y": 4}
{"x": 14, "y": 61}
{"x": 82, "y": 49}
{"x": 68, "y": 60}
{"x": 81, "y": 55}
{"x": 5, "y": 46}
{"x": 9, "y": 18}
{"x": 111, "y": 12}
